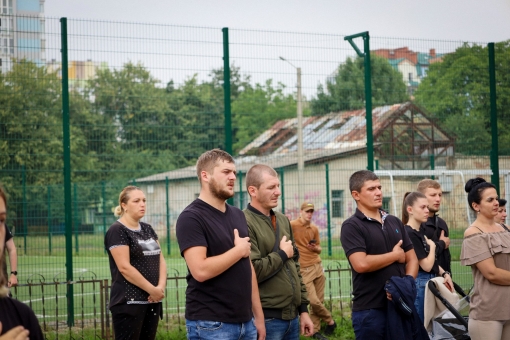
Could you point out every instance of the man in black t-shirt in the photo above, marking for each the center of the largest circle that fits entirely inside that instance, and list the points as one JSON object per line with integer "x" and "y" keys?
{"x": 222, "y": 296}
{"x": 377, "y": 247}
{"x": 436, "y": 228}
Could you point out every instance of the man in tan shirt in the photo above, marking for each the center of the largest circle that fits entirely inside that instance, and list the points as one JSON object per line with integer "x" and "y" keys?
{"x": 306, "y": 236}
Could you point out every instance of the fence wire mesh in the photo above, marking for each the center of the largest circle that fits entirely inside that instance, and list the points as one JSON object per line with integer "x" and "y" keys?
{"x": 146, "y": 100}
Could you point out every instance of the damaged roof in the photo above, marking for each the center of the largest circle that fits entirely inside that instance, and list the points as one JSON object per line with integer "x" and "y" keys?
{"x": 335, "y": 131}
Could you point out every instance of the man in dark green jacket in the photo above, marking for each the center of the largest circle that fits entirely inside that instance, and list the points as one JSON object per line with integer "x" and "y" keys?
{"x": 275, "y": 259}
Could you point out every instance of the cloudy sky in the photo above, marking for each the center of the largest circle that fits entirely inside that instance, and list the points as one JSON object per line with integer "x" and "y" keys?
{"x": 465, "y": 20}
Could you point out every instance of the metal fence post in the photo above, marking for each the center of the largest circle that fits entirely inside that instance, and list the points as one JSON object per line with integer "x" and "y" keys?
{"x": 76, "y": 219}
{"x": 167, "y": 216}
{"x": 241, "y": 200}
{"x": 226, "y": 98}
{"x": 25, "y": 227}
{"x": 494, "y": 118}
{"x": 432, "y": 163}
{"x": 49, "y": 219}
{"x": 328, "y": 203}
{"x": 368, "y": 92}
{"x": 282, "y": 187}
{"x": 103, "y": 195}
{"x": 67, "y": 172}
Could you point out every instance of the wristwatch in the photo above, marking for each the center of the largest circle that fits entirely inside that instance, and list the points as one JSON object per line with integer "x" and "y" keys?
{"x": 446, "y": 272}
{"x": 15, "y": 272}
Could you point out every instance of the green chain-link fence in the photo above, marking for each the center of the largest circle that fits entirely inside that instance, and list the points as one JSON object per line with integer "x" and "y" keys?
{"x": 146, "y": 100}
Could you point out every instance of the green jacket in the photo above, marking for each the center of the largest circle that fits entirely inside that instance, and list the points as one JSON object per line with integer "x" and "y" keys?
{"x": 282, "y": 291}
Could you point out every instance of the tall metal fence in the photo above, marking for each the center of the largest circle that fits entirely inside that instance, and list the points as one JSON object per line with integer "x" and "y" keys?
{"x": 146, "y": 100}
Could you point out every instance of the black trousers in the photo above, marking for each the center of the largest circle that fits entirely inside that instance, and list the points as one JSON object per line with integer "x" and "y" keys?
{"x": 133, "y": 322}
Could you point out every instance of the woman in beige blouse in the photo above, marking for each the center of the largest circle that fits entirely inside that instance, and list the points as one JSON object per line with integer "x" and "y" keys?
{"x": 486, "y": 248}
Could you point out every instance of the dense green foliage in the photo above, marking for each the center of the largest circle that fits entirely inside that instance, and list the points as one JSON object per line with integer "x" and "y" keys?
{"x": 347, "y": 90}
{"x": 124, "y": 125}
{"x": 456, "y": 92}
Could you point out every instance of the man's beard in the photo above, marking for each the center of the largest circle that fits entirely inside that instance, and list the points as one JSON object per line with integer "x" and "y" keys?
{"x": 432, "y": 210}
{"x": 215, "y": 189}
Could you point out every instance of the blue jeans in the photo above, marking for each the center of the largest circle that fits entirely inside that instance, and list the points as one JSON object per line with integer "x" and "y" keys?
{"x": 369, "y": 324}
{"x": 213, "y": 330}
{"x": 421, "y": 283}
{"x": 278, "y": 329}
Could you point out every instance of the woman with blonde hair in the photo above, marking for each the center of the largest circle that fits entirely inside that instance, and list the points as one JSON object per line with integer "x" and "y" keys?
{"x": 486, "y": 248}
{"x": 137, "y": 267}
{"x": 414, "y": 212}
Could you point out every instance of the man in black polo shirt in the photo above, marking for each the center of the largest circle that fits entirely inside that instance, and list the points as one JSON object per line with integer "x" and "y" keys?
{"x": 378, "y": 247}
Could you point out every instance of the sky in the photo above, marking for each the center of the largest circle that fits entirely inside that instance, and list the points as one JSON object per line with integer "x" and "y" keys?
{"x": 458, "y": 20}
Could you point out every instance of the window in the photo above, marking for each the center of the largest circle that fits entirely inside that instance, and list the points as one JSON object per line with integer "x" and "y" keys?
{"x": 337, "y": 202}
{"x": 386, "y": 203}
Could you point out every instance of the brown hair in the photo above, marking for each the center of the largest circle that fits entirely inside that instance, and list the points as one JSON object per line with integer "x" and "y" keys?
{"x": 475, "y": 188}
{"x": 409, "y": 199}
{"x": 426, "y": 183}
{"x": 124, "y": 198}
{"x": 254, "y": 175}
{"x": 208, "y": 160}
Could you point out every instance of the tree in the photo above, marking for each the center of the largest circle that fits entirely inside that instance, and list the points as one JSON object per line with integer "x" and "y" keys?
{"x": 347, "y": 90}
{"x": 200, "y": 114}
{"x": 257, "y": 109}
{"x": 31, "y": 134}
{"x": 138, "y": 132}
{"x": 456, "y": 92}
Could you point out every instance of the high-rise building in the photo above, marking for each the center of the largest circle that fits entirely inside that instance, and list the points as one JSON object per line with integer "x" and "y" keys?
{"x": 21, "y": 32}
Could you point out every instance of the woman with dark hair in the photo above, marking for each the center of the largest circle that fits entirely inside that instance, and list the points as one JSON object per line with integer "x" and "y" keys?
{"x": 138, "y": 270}
{"x": 414, "y": 212}
{"x": 486, "y": 248}
{"x": 501, "y": 216}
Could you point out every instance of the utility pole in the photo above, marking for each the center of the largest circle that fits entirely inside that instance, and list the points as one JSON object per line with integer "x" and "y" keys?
{"x": 301, "y": 159}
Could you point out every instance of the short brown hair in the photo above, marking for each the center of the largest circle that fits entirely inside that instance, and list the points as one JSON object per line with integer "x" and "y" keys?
{"x": 208, "y": 160}
{"x": 358, "y": 179}
{"x": 254, "y": 175}
{"x": 426, "y": 183}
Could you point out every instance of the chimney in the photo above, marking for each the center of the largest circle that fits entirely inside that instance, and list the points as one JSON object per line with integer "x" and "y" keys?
{"x": 432, "y": 52}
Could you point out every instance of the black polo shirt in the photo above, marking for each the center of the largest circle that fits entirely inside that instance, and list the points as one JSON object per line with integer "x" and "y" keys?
{"x": 432, "y": 229}
{"x": 362, "y": 234}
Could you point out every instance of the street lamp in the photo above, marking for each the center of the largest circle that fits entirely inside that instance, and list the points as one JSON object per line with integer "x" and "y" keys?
{"x": 301, "y": 161}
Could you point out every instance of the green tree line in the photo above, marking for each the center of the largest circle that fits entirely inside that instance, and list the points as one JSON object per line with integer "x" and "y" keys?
{"x": 126, "y": 124}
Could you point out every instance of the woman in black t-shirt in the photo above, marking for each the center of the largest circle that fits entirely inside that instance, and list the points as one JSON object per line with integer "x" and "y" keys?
{"x": 414, "y": 212}
{"x": 138, "y": 270}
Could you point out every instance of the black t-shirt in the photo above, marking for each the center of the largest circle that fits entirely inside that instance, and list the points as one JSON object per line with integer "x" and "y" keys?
{"x": 144, "y": 255}
{"x": 421, "y": 248}
{"x": 362, "y": 234}
{"x": 433, "y": 228}
{"x": 14, "y": 313}
{"x": 8, "y": 236}
{"x": 226, "y": 297}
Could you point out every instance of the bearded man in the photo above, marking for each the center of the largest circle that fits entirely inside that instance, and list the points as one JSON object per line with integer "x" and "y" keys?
{"x": 222, "y": 297}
